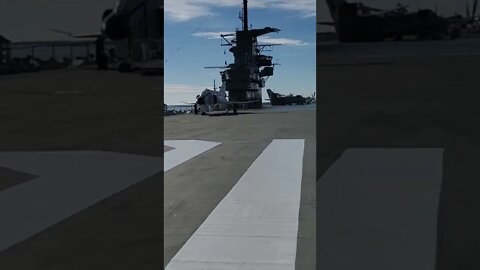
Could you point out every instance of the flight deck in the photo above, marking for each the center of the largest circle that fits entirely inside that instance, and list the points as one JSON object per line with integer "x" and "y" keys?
{"x": 81, "y": 166}
{"x": 397, "y": 155}
{"x": 239, "y": 190}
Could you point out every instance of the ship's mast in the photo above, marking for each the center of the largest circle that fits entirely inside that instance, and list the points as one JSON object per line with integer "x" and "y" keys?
{"x": 245, "y": 78}
{"x": 245, "y": 15}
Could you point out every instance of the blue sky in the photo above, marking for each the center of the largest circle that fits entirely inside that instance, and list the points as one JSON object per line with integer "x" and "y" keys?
{"x": 192, "y": 29}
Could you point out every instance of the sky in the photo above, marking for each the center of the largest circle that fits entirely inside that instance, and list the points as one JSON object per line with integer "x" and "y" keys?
{"x": 189, "y": 45}
{"x": 29, "y": 19}
{"x": 445, "y": 7}
{"x": 25, "y": 20}
{"x": 192, "y": 42}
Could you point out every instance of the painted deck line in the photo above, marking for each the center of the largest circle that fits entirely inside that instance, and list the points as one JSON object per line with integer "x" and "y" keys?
{"x": 377, "y": 210}
{"x": 183, "y": 151}
{"x": 67, "y": 183}
{"x": 255, "y": 226}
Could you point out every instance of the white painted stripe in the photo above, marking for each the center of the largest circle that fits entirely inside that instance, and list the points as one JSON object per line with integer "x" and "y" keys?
{"x": 377, "y": 210}
{"x": 67, "y": 183}
{"x": 255, "y": 226}
{"x": 184, "y": 150}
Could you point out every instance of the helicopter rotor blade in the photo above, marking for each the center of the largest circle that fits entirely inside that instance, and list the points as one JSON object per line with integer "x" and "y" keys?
{"x": 474, "y": 11}
{"x": 467, "y": 10}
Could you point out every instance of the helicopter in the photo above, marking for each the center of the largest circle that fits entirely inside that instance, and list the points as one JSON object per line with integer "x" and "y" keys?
{"x": 135, "y": 27}
{"x": 215, "y": 102}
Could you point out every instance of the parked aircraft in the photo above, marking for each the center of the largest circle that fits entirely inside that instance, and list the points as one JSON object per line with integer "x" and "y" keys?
{"x": 215, "y": 102}
{"x": 136, "y": 29}
{"x": 279, "y": 99}
{"x": 356, "y": 22}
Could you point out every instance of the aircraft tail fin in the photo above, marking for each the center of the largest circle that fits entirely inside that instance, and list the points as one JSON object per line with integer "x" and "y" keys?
{"x": 333, "y": 6}
{"x": 270, "y": 93}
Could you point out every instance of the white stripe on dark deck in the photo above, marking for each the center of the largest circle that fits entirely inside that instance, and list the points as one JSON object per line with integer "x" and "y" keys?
{"x": 67, "y": 183}
{"x": 183, "y": 151}
{"x": 255, "y": 226}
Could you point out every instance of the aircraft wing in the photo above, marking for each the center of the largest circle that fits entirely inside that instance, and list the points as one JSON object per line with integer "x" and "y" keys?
{"x": 188, "y": 103}
{"x": 242, "y": 102}
{"x": 88, "y": 35}
{"x": 327, "y": 23}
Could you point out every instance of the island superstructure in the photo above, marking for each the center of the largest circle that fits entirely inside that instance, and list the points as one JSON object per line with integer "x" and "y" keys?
{"x": 246, "y": 76}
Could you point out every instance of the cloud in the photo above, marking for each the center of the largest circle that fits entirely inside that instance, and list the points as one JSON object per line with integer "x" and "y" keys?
{"x": 184, "y": 10}
{"x": 262, "y": 40}
{"x": 283, "y": 41}
{"x": 211, "y": 35}
{"x": 178, "y": 94}
{"x": 306, "y": 7}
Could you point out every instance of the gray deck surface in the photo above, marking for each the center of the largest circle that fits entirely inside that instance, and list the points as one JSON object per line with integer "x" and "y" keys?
{"x": 387, "y": 96}
{"x": 76, "y": 110}
{"x": 194, "y": 188}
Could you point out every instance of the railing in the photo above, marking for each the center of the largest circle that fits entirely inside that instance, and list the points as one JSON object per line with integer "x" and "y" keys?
{"x": 180, "y": 108}
{"x": 33, "y": 56}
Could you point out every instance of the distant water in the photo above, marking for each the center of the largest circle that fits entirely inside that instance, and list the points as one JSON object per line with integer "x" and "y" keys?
{"x": 180, "y": 97}
{"x": 266, "y": 107}
{"x": 457, "y": 47}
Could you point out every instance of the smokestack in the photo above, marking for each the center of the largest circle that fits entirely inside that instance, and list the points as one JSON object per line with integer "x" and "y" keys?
{"x": 245, "y": 15}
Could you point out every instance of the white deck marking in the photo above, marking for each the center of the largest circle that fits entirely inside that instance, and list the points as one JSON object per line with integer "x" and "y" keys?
{"x": 184, "y": 150}
{"x": 67, "y": 183}
{"x": 255, "y": 226}
{"x": 378, "y": 210}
